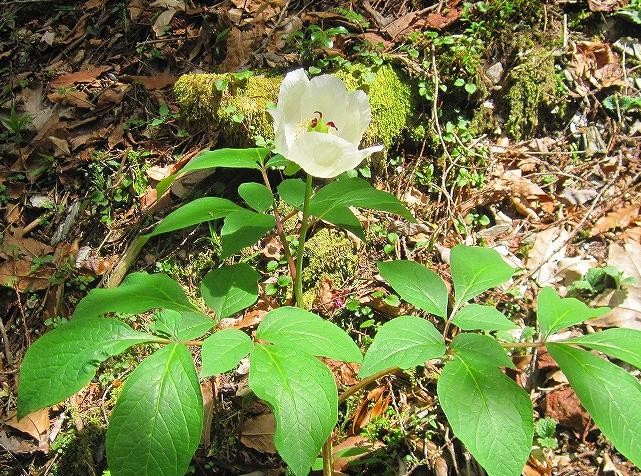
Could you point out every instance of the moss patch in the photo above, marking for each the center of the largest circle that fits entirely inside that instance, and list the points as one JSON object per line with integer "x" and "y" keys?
{"x": 81, "y": 452}
{"x": 330, "y": 254}
{"x": 533, "y": 87}
{"x": 239, "y": 106}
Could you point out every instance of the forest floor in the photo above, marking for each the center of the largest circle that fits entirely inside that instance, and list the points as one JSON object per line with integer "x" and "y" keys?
{"x": 522, "y": 134}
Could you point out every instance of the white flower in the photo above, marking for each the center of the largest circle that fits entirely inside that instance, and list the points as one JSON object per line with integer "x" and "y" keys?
{"x": 319, "y": 125}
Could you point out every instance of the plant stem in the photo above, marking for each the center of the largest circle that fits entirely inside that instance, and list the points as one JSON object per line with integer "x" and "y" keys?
{"x": 328, "y": 463}
{"x": 279, "y": 226}
{"x": 522, "y": 345}
{"x": 365, "y": 382}
{"x": 298, "y": 278}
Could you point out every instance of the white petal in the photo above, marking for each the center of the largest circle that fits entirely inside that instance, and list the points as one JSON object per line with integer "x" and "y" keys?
{"x": 327, "y": 155}
{"x": 288, "y": 112}
{"x": 326, "y": 94}
{"x": 360, "y": 115}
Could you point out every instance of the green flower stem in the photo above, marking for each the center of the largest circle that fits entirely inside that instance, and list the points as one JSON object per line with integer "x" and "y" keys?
{"x": 298, "y": 278}
{"x": 279, "y": 225}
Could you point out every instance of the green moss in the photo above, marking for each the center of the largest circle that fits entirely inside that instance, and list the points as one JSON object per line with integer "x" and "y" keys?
{"x": 78, "y": 450}
{"x": 391, "y": 98}
{"x": 240, "y": 108}
{"x": 533, "y": 88}
{"x": 329, "y": 254}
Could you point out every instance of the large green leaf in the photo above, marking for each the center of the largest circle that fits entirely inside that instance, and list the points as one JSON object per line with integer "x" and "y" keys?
{"x": 403, "y": 342}
{"x": 481, "y": 350}
{"x": 292, "y": 192}
{"x": 555, "y": 313}
{"x": 195, "y": 212}
{"x": 156, "y": 425}
{"x": 65, "y": 359}
{"x": 223, "y": 350}
{"x": 230, "y": 158}
{"x": 243, "y": 228}
{"x": 355, "y": 192}
{"x": 302, "y": 392}
{"x": 620, "y": 343}
{"x": 309, "y": 333}
{"x": 230, "y": 289}
{"x": 139, "y": 292}
{"x": 256, "y": 195}
{"x": 417, "y": 285}
{"x": 486, "y": 318}
{"x": 476, "y": 269}
{"x": 181, "y": 325}
{"x": 609, "y": 393}
{"x": 489, "y": 413}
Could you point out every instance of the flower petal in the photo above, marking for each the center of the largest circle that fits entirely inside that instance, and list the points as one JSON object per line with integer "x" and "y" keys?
{"x": 288, "y": 112}
{"x": 326, "y": 94}
{"x": 327, "y": 155}
{"x": 357, "y": 106}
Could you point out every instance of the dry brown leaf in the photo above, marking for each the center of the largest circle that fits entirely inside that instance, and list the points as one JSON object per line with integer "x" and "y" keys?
{"x": 71, "y": 98}
{"x": 548, "y": 250}
{"x": 14, "y": 246}
{"x": 345, "y": 373}
{"x": 597, "y": 64}
{"x": 351, "y": 449}
{"x": 239, "y": 46}
{"x": 258, "y": 433}
{"x": 85, "y": 76}
{"x": 158, "y": 81}
{"x": 18, "y": 273}
{"x": 564, "y": 406}
{"x": 607, "y": 5}
{"x": 162, "y": 22}
{"x": 619, "y": 218}
{"x": 35, "y": 424}
{"x": 626, "y": 302}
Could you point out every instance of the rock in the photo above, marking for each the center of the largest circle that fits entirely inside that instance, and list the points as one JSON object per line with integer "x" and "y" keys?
{"x": 495, "y": 72}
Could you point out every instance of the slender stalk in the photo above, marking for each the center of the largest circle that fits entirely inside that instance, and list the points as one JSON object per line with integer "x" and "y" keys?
{"x": 365, "y": 382}
{"x": 522, "y": 345}
{"x": 298, "y": 278}
{"x": 328, "y": 461}
{"x": 279, "y": 226}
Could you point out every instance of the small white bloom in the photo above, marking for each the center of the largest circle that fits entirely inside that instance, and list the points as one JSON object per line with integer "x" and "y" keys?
{"x": 319, "y": 125}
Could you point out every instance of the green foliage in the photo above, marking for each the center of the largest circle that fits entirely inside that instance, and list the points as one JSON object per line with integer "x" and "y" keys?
{"x": 223, "y": 351}
{"x": 159, "y": 413}
{"x": 555, "y": 313}
{"x": 303, "y": 395}
{"x": 475, "y": 270}
{"x": 417, "y": 285}
{"x": 332, "y": 201}
{"x": 620, "y": 343}
{"x": 65, "y": 359}
{"x": 138, "y": 293}
{"x": 256, "y": 195}
{"x": 181, "y": 326}
{"x": 545, "y": 431}
{"x": 195, "y": 212}
{"x": 608, "y": 392}
{"x": 209, "y": 159}
{"x": 478, "y": 317}
{"x": 403, "y": 342}
{"x": 597, "y": 280}
{"x": 488, "y": 412}
{"x": 309, "y": 333}
{"x": 243, "y": 228}
{"x": 230, "y": 289}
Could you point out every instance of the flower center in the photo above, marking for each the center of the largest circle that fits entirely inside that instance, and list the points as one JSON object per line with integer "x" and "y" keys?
{"x": 318, "y": 124}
